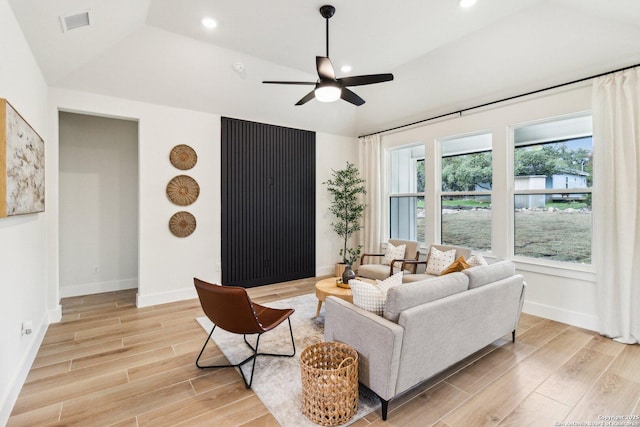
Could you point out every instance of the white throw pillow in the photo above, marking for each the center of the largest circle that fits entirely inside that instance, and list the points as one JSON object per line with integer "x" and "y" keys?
{"x": 477, "y": 260}
{"x": 439, "y": 260}
{"x": 390, "y": 281}
{"x": 394, "y": 252}
{"x": 373, "y": 296}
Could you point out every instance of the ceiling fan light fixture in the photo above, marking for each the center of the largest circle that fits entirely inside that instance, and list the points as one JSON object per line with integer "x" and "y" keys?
{"x": 328, "y": 93}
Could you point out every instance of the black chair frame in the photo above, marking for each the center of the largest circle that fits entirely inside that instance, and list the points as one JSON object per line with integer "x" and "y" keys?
{"x": 253, "y": 357}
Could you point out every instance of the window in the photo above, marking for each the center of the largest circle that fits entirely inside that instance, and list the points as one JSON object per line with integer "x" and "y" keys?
{"x": 465, "y": 200}
{"x": 552, "y": 190}
{"x": 406, "y": 193}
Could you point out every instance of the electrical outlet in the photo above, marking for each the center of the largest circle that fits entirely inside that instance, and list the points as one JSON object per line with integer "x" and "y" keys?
{"x": 218, "y": 267}
{"x": 96, "y": 270}
{"x": 27, "y": 327}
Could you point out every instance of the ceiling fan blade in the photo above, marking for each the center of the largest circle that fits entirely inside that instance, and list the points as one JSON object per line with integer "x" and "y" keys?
{"x": 351, "y": 97}
{"x": 288, "y": 83}
{"x": 368, "y": 79}
{"x": 308, "y": 97}
{"x": 325, "y": 68}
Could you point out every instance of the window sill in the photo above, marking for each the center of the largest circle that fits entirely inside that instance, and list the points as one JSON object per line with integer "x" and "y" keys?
{"x": 555, "y": 268}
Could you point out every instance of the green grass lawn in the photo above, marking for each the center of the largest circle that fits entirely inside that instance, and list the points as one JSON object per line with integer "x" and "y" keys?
{"x": 558, "y": 235}
{"x": 472, "y": 203}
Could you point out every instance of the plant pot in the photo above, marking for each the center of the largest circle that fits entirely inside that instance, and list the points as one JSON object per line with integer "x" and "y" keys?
{"x": 340, "y": 267}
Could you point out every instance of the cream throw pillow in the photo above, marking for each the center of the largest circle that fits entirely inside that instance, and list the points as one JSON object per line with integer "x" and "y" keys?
{"x": 373, "y": 297}
{"x": 439, "y": 260}
{"x": 394, "y": 252}
{"x": 476, "y": 260}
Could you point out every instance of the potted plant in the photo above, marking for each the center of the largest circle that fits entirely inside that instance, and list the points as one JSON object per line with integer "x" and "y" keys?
{"x": 346, "y": 189}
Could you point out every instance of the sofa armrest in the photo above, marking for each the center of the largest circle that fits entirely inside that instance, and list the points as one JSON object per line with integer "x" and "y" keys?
{"x": 377, "y": 340}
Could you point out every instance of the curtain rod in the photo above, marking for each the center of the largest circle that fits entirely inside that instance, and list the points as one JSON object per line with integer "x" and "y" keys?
{"x": 533, "y": 92}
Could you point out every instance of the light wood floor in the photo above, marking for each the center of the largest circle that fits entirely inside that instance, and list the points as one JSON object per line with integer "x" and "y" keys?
{"x": 110, "y": 363}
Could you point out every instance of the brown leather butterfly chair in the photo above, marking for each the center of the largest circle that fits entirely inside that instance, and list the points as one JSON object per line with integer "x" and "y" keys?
{"x": 230, "y": 308}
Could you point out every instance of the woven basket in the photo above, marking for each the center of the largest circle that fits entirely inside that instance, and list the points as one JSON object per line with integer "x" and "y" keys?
{"x": 329, "y": 372}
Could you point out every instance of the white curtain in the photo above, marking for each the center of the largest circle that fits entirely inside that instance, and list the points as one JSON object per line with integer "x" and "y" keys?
{"x": 616, "y": 203}
{"x": 369, "y": 156}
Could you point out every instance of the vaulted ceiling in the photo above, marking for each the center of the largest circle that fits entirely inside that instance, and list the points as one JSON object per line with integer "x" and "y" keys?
{"x": 444, "y": 58}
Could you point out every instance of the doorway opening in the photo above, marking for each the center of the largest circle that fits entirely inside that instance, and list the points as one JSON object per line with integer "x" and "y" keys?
{"x": 98, "y": 204}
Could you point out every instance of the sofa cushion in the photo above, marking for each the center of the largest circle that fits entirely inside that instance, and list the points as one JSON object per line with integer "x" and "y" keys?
{"x": 408, "y": 278}
{"x": 438, "y": 260}
{"x": 400, "y": 298}
{"x": 372, "y": 296}
{"x": 457, "y": 265}
{"x": 484, "y": 274}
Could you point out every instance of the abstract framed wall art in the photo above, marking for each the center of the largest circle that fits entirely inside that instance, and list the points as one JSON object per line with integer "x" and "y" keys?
{"x": 21, "y": 164}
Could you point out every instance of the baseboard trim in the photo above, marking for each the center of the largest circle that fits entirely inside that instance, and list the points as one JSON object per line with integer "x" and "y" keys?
{"x": 98, "y": 287}
{"x": 55, "y": 315}
{"x": 146, "y": 300}
{"x": 13, "y": 392}
{"x": 574, "y": 318}
{"x": 323, "y": 271}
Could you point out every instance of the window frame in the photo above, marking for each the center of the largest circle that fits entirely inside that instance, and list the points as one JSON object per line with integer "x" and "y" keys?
{"x": 439, "y": 194}
{"x": 540, "y": 265}
{"x": 389, "y": 195}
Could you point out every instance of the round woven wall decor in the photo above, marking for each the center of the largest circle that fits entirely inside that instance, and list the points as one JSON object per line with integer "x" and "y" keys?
{"x": 183, "y": 190}
{"x": 182, "y": 224}
{"x": 183, "y": 157}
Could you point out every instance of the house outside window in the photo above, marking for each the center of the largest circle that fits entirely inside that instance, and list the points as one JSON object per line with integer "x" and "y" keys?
{"x": 406, "y": 193}
{"x": 465, "y": 199}
{"x": 552, "y": 190}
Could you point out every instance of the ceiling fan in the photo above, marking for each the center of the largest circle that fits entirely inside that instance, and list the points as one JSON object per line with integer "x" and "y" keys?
{"x": 328, "y": 88}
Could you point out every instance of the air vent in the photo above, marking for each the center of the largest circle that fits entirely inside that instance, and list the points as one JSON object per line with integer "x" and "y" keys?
{"x": 78, "y": 20}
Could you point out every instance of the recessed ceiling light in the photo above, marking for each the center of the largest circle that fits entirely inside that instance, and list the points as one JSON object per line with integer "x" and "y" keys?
{"x": 345, "y": 68}
{"x": 209, "y": 23}
{"x": 467, "y": 3}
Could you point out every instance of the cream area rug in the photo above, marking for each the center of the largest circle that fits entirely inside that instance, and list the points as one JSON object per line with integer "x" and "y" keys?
{"x": 276, "y": 380}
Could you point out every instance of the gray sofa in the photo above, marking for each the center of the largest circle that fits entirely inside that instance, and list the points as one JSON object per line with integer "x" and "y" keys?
{"x": 427, "y": 326}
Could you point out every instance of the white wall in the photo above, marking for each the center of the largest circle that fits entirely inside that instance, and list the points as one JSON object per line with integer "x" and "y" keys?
{"x": 23, "y": 293}
{"x": 558, "y": 291}
{"x": 98, "y": 204}
{"x": 332, "y": 152}
{"x": 167, "y": 264}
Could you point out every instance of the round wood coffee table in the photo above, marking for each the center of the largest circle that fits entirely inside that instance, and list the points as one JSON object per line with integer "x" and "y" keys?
{"x": 328, "y": 287}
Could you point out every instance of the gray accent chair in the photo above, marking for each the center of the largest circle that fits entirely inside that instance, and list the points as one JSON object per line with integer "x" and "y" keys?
{"x": 381, "y": 271}
{"x": 416, "y": 277}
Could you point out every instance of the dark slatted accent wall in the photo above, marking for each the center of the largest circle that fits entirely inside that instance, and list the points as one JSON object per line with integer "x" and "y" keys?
{"x": 268, "y": 203}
